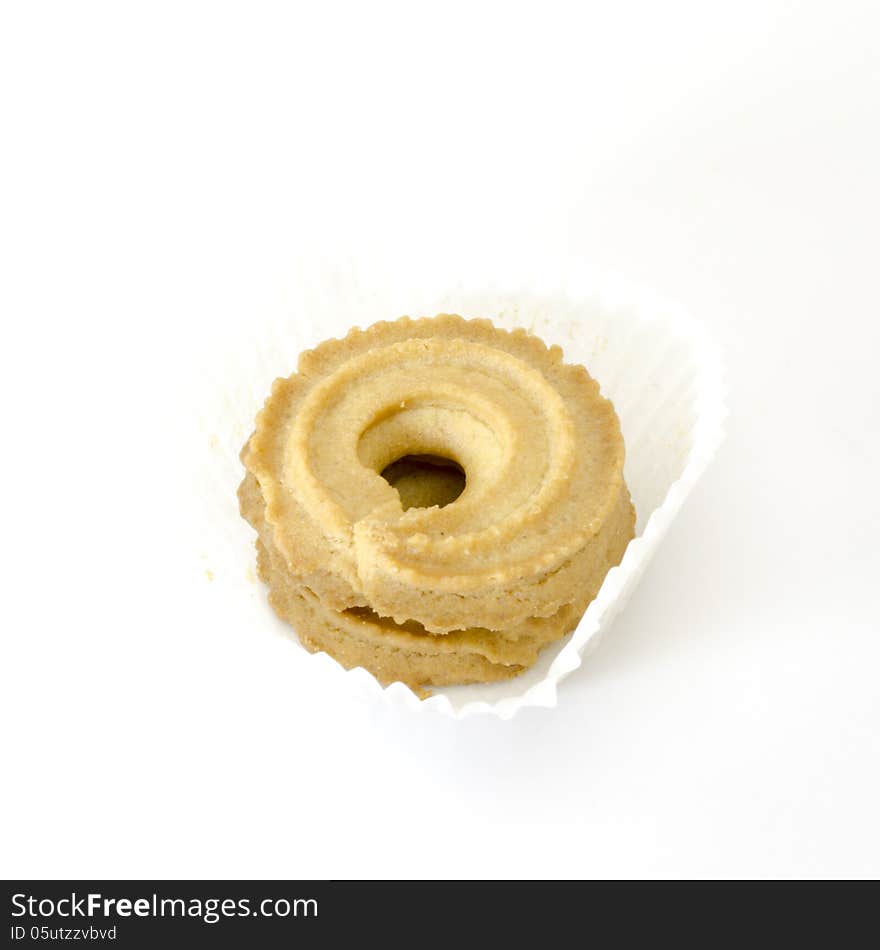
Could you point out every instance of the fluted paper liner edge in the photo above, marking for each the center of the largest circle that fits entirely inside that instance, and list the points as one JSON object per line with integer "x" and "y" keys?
{"x": 656, "y": 364}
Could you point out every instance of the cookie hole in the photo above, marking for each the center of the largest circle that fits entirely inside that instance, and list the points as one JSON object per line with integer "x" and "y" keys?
{"x": 423, "y": 481}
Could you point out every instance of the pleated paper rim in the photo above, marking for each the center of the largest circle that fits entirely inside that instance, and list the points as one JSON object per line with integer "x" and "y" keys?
{"x": 707, "y": 435}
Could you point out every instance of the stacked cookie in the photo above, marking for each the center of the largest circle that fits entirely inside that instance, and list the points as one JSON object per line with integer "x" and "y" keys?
{"x": 436, "y": 499}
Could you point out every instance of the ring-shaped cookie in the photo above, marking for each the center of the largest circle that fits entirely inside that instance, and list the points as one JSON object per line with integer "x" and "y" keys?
{"x": 544, "y": 512}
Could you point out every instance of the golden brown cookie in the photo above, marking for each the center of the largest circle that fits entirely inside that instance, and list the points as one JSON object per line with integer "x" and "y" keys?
{"x": 368, "y": 635}
{"x": 540, "y": 449}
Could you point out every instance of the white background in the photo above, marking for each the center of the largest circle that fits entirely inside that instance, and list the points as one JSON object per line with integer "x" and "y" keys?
{"x": 169, "y": 172}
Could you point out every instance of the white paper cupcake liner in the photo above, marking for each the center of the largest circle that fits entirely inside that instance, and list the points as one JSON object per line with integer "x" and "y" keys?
{"x": 658, "y": 367}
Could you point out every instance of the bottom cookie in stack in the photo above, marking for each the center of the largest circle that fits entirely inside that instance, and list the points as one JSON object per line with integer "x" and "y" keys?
{"x": 400, "y": 652}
